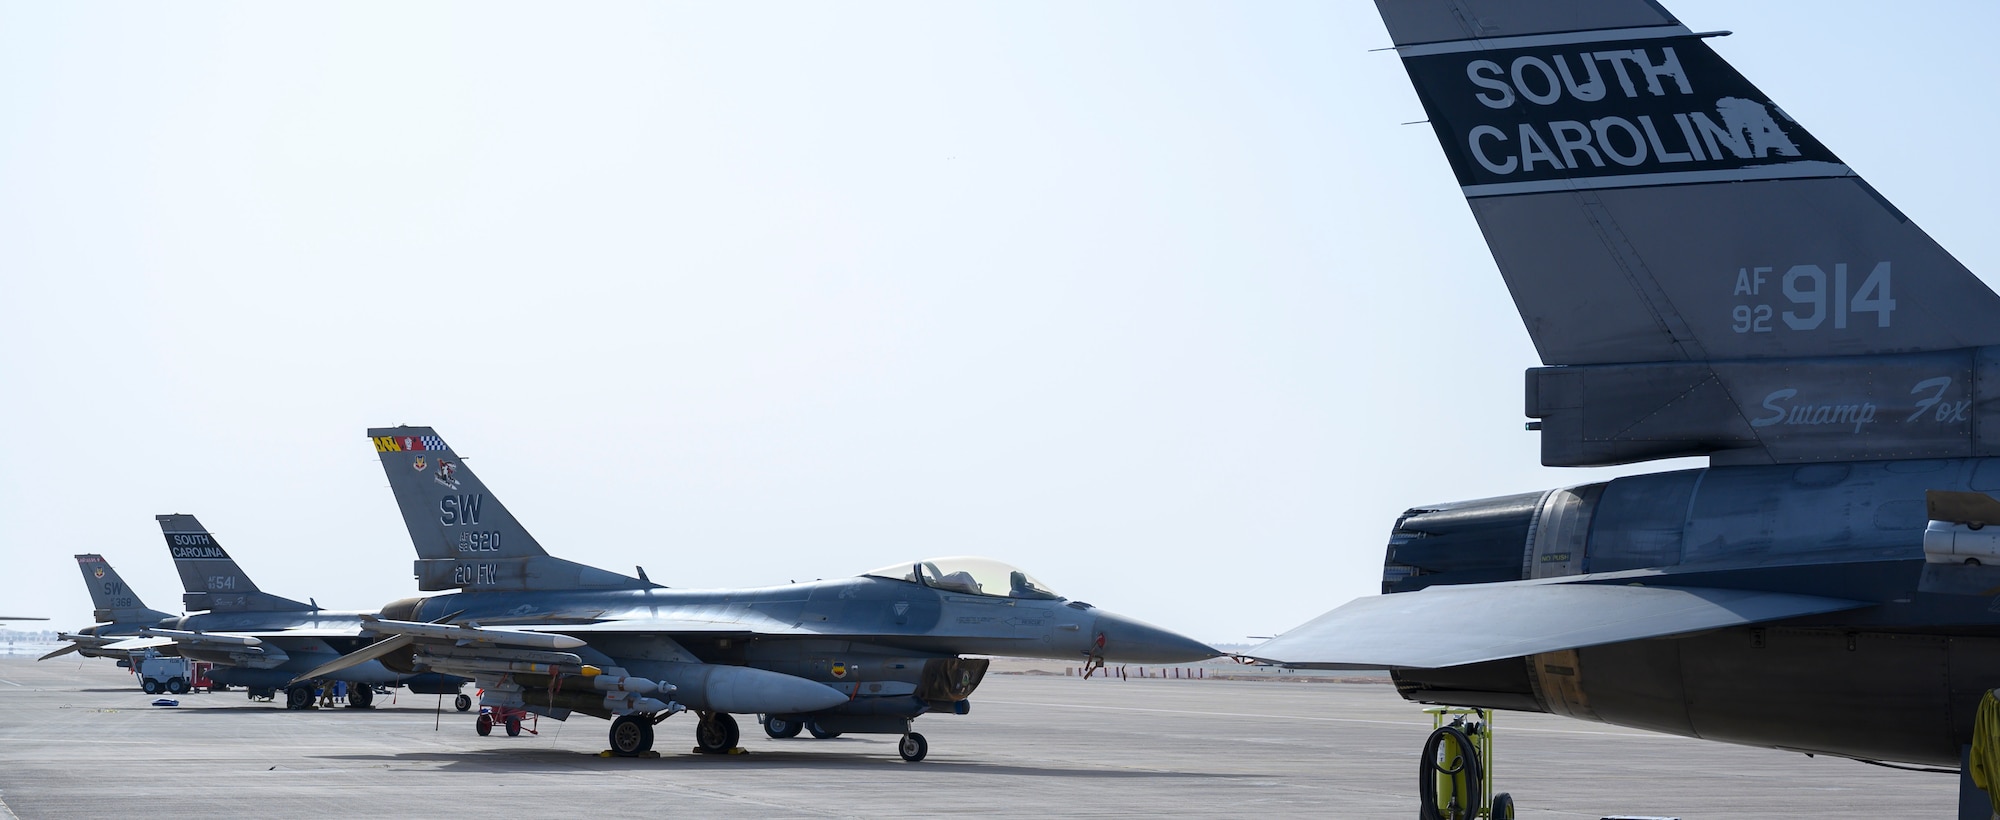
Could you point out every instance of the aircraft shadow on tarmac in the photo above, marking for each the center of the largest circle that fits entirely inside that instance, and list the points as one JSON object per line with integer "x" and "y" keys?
{"x": 517, "y": 761}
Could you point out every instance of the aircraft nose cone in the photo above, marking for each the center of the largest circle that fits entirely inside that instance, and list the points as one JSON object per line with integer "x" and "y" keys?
{"x": 1127, "y": 640}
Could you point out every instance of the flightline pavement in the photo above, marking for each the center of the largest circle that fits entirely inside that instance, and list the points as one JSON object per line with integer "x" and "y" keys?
{"x": 81, "y": 741}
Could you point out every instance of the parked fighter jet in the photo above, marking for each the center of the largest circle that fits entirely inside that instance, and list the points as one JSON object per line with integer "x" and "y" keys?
{"x": 119, "y": 613}
{"x": 258, "y": 640}
{"x": 864, "y": 655}
{"x": 1702, "y": 277}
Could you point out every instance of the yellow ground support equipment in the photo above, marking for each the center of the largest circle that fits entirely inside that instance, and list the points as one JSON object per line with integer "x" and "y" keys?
{"x": 1455, "y": 776}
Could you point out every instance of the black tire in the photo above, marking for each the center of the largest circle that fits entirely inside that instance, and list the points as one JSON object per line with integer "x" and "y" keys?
{"x": 361, "y": 697}
{"x": 716, "y": 734}
{"x": 913, "y": 747}
{"x": 822, "y": 734}
{"x": 299, "y": 697}
{"x": 513, "y": 727}
{"x": 782, "y": 728}
{"x": 484, "y": 725}
{"x": 149, "y": 686}
{"x": 1463, "y": 769}
{"x": 1503, "y": 807}
{"x": 462, "y": 703}
{"x": 178, "y": 686}
{"x": 631, "y": 735}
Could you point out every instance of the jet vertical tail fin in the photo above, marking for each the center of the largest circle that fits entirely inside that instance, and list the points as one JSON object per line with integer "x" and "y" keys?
{"x": 210, "y": 578}
{"x": 1647, "y": 203}
{"x": 465, "y": 538}
{"x": 1702, "y": 274}
{"x": 112, "y": 601}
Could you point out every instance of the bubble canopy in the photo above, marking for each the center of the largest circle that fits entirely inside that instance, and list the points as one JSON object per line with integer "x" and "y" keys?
{"x": 968, "y": 574}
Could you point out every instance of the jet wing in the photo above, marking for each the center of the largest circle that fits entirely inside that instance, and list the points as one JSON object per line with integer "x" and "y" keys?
{"x": 1452, "y": 625}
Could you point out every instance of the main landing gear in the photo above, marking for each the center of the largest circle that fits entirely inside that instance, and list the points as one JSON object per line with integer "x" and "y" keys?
{"x": 631, "y": 735}
{"x": 782, "y": 728}
{"x": 299, "y": 697}
{"x": 716, "y": 734}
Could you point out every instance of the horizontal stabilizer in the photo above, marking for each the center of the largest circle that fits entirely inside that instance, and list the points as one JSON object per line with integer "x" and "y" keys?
{"x": 66, "y": 649}
{"x": 1971, "y": 509}
{"x": 1453, "y": 625}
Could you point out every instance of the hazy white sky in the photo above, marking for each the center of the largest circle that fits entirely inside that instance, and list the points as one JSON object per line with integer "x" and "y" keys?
{"x": 1158, "y": 301}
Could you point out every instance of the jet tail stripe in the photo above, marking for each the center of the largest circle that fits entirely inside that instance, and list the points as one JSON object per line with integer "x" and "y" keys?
{"x": 1540, "y": 40}
{"x": 1796, "y": 170}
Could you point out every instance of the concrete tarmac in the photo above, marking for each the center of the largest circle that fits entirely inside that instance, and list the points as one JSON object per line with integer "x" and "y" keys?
{"x": 78, "y": 740}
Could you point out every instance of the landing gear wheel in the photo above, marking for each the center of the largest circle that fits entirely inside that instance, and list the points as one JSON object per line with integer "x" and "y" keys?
{"x": 361, "y": 697}
{"x": 1503, "y": 807}
{"x": 149, "y": 686}
{"x": 178, "y": 686}
{"x": 484, "y": 726}
{"x": 1448, "y": 776}
{"x": 631, "y": 735}
{"x": 462, "y": 703}
{"x": 299, "y": 697}
{"x": 822, "y": 734}
{"x": 716, "y": 734}
{"x": 781, "y": 728}
{"x": 913, "y": 748}
{"x": 513, "y": 727}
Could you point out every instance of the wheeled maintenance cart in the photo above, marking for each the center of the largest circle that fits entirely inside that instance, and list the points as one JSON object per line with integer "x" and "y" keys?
{"x": 1455, "y": 776}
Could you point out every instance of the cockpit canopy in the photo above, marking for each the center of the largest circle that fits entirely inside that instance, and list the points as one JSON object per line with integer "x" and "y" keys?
{"x": 967, "y": 574}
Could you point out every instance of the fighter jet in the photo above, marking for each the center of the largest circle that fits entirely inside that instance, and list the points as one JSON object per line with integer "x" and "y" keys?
{"x": 119, "y": 613}
{"x": 258, "y": 640}
{"x": 864, "y": 655}
{"x": 1701, "y": 277}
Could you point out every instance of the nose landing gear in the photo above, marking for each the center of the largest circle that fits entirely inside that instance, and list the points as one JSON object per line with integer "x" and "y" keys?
{"x": 913, "y": 747}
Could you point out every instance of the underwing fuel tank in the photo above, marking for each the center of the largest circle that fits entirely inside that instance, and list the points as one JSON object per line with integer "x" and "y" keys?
{"x": 739, "y": 689}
